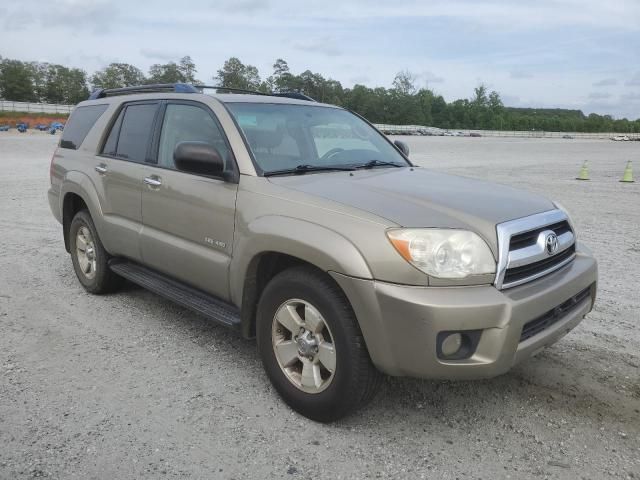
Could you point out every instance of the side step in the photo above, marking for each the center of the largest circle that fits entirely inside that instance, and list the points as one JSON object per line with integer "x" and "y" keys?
{"x": 176, "y": 291}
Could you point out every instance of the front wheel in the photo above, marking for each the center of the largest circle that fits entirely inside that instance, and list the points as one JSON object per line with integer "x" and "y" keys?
{"x": 311, "y": 346}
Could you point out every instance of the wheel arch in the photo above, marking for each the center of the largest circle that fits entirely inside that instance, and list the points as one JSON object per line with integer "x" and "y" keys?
{"x": 263, "y": 250}
{"x": 77, "y": 192}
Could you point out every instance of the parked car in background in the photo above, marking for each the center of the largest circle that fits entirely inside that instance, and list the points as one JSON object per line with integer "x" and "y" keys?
{"x": 41, "y": 127}
{"x": 475, "y": 134}
{"x": 22, "y": 127}
{"x": 4, "y": 128}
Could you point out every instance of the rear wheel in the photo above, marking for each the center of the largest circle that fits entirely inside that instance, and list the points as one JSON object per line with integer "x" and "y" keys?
{"x": 90, "y": 259}
{"x": 311, "y": 346}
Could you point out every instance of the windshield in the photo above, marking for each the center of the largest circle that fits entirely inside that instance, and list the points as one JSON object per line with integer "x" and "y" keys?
{"x": 285, "y": 136}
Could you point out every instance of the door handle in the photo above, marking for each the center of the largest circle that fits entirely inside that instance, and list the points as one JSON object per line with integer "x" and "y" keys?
{"x": 153, "y": 181}
{"x": 101, "y": 169}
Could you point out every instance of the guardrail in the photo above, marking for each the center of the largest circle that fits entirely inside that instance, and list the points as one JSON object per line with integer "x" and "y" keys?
{"x": 27, "y": 107}
{"x": 435, "y": 131}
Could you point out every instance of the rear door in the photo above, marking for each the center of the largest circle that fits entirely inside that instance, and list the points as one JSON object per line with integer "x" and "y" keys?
{"x": 120, "y": 167}
{"x": 188, "y": 219}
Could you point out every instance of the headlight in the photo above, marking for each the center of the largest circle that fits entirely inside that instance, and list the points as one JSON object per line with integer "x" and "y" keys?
{"x": 443, "y": 253}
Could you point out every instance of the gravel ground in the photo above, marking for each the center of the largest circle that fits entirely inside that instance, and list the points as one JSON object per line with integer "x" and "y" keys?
{"x": 131, "y": 386}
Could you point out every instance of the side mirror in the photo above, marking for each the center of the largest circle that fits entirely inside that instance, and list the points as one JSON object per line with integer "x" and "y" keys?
{"x": 404, "y": 148}
{"x": 198, "y": 157}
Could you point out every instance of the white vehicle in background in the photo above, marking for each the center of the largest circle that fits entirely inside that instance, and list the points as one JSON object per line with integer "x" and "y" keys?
{"x": 620, "y": 138}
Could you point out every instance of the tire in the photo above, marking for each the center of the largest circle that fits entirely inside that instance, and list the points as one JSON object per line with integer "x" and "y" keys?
{"x": 329, "y": 395}
{"x": 96, "y": 277}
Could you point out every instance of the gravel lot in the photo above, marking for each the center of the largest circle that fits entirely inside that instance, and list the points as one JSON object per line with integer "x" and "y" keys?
{"x": 132, "y": 386}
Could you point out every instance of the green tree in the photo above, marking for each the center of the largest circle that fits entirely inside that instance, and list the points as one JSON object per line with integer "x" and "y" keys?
{"x": 16, "y": 81}
{"x": 404, "y": 83}
{"x": 64, "y": 85}
{"x": 235, "y": 74}
{"x": 117, "y": 75}
{"x": 166, "y": 73}
{"x": 188, "y": 70}
{"x": 172, "y": 72}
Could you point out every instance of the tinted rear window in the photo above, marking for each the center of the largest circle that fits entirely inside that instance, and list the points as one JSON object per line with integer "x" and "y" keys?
{"x": 111, "y": 145}
{"x": 79, "y": 124}
{"x": 135, "y": 132}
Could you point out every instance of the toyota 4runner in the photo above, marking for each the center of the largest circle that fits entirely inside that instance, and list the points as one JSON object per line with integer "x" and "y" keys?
{"x": 300, "y": 224}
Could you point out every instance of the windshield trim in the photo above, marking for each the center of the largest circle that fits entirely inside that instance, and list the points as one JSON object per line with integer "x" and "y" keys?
{"x": 260, "y": 172}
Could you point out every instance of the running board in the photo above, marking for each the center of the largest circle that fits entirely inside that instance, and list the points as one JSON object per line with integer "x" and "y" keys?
{"x": 207, "y": 305}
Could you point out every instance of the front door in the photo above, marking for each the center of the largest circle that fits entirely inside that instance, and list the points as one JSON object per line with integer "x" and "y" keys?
{"x": 188, "y": 220}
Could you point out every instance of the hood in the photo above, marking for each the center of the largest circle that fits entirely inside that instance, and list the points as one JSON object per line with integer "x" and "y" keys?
{"x": 422, "y": 198}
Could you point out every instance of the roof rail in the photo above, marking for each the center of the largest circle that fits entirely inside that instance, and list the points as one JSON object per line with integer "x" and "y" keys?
{"x": 187, "y": 88}
{"x": 296, "y": 95}
{"x": 157, "y": 87}
{"x": 230, "y": 89}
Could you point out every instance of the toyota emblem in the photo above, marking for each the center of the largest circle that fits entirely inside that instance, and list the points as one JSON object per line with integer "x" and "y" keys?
{"x": 551, "y": 243}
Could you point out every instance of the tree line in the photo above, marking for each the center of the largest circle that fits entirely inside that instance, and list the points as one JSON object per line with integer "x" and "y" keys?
{"x": 401, "y": 104}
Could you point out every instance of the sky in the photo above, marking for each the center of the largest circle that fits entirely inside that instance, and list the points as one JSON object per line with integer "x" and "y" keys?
{"x": 578, "y": 54}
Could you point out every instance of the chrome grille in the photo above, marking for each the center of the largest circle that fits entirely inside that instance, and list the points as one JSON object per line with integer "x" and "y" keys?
{"x": 522, "y": 253}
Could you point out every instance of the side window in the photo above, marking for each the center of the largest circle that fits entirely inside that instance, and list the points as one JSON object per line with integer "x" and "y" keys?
{"x": 189, "y": 123}
{"x": 130, "y": 134}
{"x": 78, "y": 126}
{"x": 110, "y": 146}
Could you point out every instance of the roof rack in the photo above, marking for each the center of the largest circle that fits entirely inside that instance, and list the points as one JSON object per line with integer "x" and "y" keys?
{"x": 295, "y": 95}
{"x": 157, "y": 87}
{"x": 187, "y": 88}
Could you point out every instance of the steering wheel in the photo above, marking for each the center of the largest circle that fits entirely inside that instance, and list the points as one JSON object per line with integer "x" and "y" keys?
{"x": 331, "y": 153}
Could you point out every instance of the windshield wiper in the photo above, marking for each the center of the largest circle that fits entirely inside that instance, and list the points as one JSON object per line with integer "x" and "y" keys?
{"x": 379, "y": 163}
{"x": 308, "y": 168}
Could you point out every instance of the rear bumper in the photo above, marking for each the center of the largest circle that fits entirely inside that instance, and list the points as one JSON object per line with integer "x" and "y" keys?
{"x": 401, "y": 323}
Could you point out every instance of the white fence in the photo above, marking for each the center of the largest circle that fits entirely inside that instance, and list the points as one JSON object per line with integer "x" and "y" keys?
{"x": 8, "y": 106}
{"x": 423, "y": 130}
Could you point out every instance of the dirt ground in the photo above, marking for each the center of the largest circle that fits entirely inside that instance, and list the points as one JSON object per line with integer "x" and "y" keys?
{"x": 32, "y": 119}
{"x": 131, "y": 386}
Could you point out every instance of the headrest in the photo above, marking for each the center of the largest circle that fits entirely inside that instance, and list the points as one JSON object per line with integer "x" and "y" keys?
{"x": 263, "y": 138}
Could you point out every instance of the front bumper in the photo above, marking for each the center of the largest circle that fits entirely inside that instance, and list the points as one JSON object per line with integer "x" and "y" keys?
{"x": 401, "y": 323}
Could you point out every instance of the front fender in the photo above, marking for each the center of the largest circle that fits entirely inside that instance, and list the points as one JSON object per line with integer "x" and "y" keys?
{"x": 325, "y": 248}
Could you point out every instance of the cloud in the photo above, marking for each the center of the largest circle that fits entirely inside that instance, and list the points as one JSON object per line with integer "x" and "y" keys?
{"x": 599, "y": 95}
{"x": 97, "y": 16}
{"x": 634, "y": 81}
{"x": 360, "y": 79}
{"x": 506, "y": 14}
{"x": 606, "y": 82}
{"x": 160, "y": 54}
{"x": 250, "y": 5}
{"x": 322, "y": 46}
{"x": 519, "y": 74}
{"x": 430, "y": 77}
{"x": 241, "y": 6}
{"x": 17, "y": 20}
{"x": 511, "y": 100}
